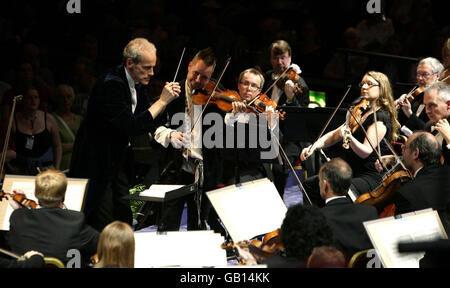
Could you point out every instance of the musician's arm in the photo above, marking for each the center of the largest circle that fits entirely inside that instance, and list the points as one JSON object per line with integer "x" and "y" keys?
{"x": 363, "y": 150}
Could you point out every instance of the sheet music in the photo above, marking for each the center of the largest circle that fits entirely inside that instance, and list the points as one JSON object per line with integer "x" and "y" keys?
{"x": 179, "y": 249}
{"x": 159, "y": 191}
{"x": 386, "y": 233}
{"x": 248, "y": 210}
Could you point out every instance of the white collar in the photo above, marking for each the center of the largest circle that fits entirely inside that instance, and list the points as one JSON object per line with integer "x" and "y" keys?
{"x": 417, "y": 171}
{"x": 333, "y": 198}
{"x": 130, "y": 80}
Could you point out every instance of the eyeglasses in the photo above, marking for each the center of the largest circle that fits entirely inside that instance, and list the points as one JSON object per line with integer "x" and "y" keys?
{"x": 369, "y": 84}
{"x": 249, "y": 85}
{"x": 425, "y": 75}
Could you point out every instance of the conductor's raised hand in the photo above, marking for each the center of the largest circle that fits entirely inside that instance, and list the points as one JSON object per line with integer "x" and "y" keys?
{"x": 170, "y": 91}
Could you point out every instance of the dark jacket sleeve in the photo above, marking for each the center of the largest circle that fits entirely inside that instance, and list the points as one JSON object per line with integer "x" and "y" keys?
{"x": 414, "y": 123}
{"x": 35, "y": 261}
{"x": 117, "y": 111}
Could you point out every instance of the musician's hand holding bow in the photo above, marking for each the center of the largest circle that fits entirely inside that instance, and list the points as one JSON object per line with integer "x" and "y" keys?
{"x": 239, "y": 107}
{"x": 388, "y": 162}
{"x": 178, "y": 139}
{"x": 307, "y": 152}
{"x": 443, "y": 127}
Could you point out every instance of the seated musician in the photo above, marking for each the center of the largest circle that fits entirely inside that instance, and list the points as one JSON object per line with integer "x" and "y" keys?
{"x": 429, "y": 71}
{"x": 246, "y": 162}
{"x": 377, "y": 92}
{"x": 344, "y": 217}
{"x": 51, "y": 229}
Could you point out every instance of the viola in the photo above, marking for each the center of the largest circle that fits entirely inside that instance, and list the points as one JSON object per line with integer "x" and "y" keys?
{"x": 292, "y": 75}
{"x": 382, "y": 196}
{"x": 21, "y": 199}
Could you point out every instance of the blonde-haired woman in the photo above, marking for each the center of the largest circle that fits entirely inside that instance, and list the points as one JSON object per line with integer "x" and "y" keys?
{"x": 377, "y": 90}
{"x": 116, "y": 246}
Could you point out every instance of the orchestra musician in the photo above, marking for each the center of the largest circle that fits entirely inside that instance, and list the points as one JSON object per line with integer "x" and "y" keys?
{"x": 189, "y": 159}
{"x": 376, "y": 90}
{"x": 287, "y": 94}
{"x": 247, "y": 162}
{"x": 429, "y": 71}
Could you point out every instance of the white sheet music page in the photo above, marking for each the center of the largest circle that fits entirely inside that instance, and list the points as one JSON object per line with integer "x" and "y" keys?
{"x": 179, "y": 249}
{"x": 386, "y": 233}
{"x": 159, "y": 191}
{"x": 248, "y": 210}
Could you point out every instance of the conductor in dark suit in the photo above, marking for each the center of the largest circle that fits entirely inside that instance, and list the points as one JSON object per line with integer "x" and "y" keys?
{"x": 118, "y": 109}
{"x": 50, "y": 229}
{"x": 344, "y": 217}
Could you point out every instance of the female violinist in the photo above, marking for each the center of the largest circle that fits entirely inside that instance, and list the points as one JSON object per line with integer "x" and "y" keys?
{"x": 376, "y": 91}
{"x": 246, "y": 161}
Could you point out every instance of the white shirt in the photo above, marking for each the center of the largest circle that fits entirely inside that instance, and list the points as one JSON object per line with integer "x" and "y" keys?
{"x": 132, "y": 86}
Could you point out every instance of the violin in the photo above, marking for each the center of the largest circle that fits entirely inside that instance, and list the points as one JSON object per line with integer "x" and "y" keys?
{"x": 262, "y": 102}
{"x": 292, "y": 75}
{"x": 354, "y": 117}
{"x": 415, "y": 93}
{"x": 268, "y": 247}
{"x": 222, "y": 99}
{"x": 382, "y": 196}
{"x": 21, "y": 199}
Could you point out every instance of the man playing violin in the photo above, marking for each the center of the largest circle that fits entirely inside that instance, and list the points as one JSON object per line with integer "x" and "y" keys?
{"x": 188, "y": 155}
{"x": 247, "y": 162}
{"x": 363, "y": 146}
{"x": 285, "y": 93}
{"x": 429, "y": 71}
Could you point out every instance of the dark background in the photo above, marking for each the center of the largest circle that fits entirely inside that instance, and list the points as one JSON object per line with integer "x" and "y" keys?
{"x": 77, "y": 48}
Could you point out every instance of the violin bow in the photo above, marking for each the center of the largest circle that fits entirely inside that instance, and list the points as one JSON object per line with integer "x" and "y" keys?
{"x": 331, "y": 117}
{"x": 212, "y": 93}
{"x": 8, "y": 134}
{"x": 271, "y": 86}
{"x": 396, "y": 156}
{"x": 368, "y": 140}
{"x": 179, "y": 64}
{"x": 299, "y": 183}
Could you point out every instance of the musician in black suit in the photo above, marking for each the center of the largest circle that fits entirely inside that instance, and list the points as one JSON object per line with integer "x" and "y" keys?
{"x": 118, "y": 109}
{"x": 287, "y": 95}
{"x": 187, "y": 147}
{"x": 429, "y": 188}
{"x": 429, "y": 71}
{"x": 51, "y": 229}
{"x": 437, "y": 101}
{"x": 344, "y": 217}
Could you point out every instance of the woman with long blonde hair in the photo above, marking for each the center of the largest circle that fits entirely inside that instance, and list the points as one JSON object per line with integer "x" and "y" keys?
{"x": 376, "y": 90}
{"x": 116, "y": 246}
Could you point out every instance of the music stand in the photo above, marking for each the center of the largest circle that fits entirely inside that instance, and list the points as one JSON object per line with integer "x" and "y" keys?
{"x": 161, "y": 194}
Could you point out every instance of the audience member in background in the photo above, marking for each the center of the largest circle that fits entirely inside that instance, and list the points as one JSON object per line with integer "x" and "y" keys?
{"x": 67, "y": 121}
{"x": 51, "y": 229}
{"x": 36, "y": 137}
{"x": 116, "y": 246}
{"x": 326, "y": 257}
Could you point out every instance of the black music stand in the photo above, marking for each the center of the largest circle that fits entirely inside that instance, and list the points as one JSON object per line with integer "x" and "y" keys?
{"x": 170, "y": 195}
